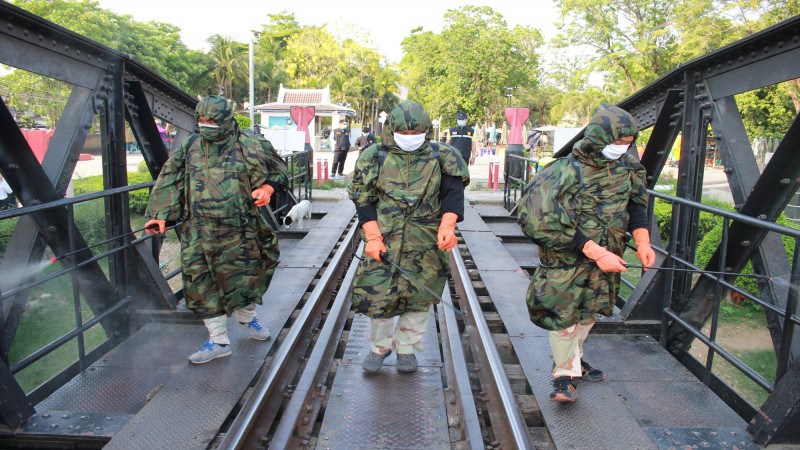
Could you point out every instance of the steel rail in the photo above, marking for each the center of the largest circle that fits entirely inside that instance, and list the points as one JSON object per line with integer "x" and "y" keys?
{"x": 455, "y": 365}
{"x": 516, "y": 423}
{"x": 324, "y": 348}
{"x": 267, "y": 383}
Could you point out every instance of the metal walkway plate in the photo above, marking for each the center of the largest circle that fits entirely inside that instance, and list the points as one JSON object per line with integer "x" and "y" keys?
{"x": 386, "y": 410}
{"x": 647, "y": 396}
{"x": 210, "y": 391}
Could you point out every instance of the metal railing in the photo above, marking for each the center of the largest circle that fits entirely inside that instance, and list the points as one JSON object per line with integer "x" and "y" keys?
{"x": 518, "y": 173}
{"x": 72, "y": 262}
{"x": 788, "y": 314}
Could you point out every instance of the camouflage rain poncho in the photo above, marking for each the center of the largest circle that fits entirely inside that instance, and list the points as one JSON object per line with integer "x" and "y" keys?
{"x": 405, "y": 191}
{"x": 228, "y": 252}
{"x": 556, "y": 207}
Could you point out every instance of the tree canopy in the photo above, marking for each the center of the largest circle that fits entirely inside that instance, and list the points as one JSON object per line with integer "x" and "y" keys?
{"x": 468, "y": 66}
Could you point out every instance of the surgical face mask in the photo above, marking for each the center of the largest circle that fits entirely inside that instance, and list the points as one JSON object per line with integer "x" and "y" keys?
{"x": 409, "y": 142}
{"x": 209, "y": 132}
{"x": 461, "y": 123}
{"x": 614, "y": 151}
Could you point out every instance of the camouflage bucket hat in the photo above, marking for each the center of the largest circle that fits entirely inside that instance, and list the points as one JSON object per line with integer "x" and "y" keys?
{"x": 407, "y": 115}
{"x": 608, "y": 124}
{"x": 218, "y": 109}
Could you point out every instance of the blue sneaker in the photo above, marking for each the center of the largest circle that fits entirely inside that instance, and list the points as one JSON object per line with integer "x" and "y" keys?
{"x": 210, "y": 351}
{"x": 255, "y": 329}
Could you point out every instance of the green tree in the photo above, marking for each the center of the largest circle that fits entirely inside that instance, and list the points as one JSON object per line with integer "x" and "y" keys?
{"x": 766, "y": 112}
{"x": 230, "y": 61}
{"x": 470, "y": 63}
{"x": 156, "y": 45}
{"x": 313, "y": 57}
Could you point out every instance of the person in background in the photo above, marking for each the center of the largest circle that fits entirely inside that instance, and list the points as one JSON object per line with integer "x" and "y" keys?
{"x": 409, "y": 194}
{"x": 577, "y": 210}
{"x": 462, "y": 137}
{"x": 365, "y": 140}
{"x": 7, "y": 198}
{"x": 214, "y": 183}
{"x": 341, "y": 137}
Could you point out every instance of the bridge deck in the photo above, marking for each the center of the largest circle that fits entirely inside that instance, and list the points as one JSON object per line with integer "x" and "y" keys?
{"x": 189, "y": 402}
{"x": 361, "y": 406}
{"x": 648, "y": 399}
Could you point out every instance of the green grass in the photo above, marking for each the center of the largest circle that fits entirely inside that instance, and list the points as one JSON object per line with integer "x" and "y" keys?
{"x": 328, "y": 185}
{"x": 49, "y": 314}
{"x": 762, "y": 361}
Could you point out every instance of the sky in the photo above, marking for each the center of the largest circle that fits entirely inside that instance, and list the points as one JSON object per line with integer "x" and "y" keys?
{"x": 388, "y": 23}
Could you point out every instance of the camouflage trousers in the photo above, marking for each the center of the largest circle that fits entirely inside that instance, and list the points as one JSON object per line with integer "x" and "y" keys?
{"x": 567, "y": 347}
{"x": 403, "y": 337}
{"x": 218, "y": 326}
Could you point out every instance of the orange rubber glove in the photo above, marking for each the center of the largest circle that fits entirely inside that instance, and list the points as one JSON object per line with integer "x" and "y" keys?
{"x": 374, "y": 246}
{"x": 155, "y": 226}
{"x": 447, "y": 232}
{"x": 606, "y": 261}
{"x": 262, "y": 194}
{"x": 645, "y": 253}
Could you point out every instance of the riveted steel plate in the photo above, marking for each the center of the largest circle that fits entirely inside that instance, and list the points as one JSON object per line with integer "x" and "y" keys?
{"x": 387, "y": 409}
{"x": 599, "y": 419}
{"x": 508, "y": 289}
{"x": 491, "y": 210}
{"x": 173, "y": 341}
{"x": 107, "y": 390}
{"x": 633, "y": 358}
{"x": 505, "y": 228}
{"x": 699, "y": 438}
{"x": 182, "y": 417}
{"x": 71, "y": 423}
{"x": 488, "y": 252}
{"x": 526, "y": 255}
{"x": 676, "y": 404}
{"x": 472, "y": 220}
{"x": 210, "y": 391}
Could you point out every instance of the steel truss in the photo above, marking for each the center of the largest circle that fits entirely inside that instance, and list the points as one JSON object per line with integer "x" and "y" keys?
{"x": 118, "y": 89}
{"x": 688, "y": 100}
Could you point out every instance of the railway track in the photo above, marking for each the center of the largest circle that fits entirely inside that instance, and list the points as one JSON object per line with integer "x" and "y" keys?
{"x": 311, "y": 392}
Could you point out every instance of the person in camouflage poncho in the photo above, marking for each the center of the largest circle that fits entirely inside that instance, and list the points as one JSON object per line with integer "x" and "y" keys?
{"x": 214, "y": 183}
{"x": 408, "y": 196}
{"x": 577, "y": 210}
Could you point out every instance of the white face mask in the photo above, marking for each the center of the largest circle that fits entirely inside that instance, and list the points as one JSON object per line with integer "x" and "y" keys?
{"x": 614, "y": 151}
{"x": 207, "y": 125}
{"x": 409, "y": 142}
{"x": 461, "y": 123}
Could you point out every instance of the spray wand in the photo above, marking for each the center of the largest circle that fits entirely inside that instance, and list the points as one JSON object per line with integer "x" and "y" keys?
{"x": 55, "y": 259}
{"x": 385, "y": 257}
{"x": 708, "y": 272}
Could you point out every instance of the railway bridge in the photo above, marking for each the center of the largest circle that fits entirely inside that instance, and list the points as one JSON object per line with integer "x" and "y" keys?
{"x": 114, "y": 373}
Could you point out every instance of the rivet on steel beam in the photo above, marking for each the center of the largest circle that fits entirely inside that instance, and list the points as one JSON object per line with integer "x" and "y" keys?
{"x": 727, "y": 170}
{"x": 762, "y": 216}
{"x": 661, "y": 153}
{"x": 745, "y": 243}
{"x": 25, "y": 32}
{"x": 766, "y": 49}
{"x": 785, "y": 181}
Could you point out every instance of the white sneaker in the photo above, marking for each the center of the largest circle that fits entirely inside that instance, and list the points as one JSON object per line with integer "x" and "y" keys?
{"x": 255, "y": 329}
{"x": 210, "y": 351}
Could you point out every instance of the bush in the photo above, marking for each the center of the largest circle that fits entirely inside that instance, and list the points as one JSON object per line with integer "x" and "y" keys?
{"x": 6, "y": 230}
{"x": 243, "y": 121}
{"x": 712, "y": 239}
{"x": 142, "y": 167}
{"x": 662, "y": 210}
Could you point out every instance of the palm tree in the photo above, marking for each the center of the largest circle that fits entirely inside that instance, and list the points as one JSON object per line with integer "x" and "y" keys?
{"x": 230, "y": 61}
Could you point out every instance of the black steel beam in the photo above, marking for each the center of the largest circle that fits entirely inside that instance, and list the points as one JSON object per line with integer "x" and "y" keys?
{"x": 15, "y": 408}
{"x": 766, "y": 201}
{"x": 665, "y": 130}
{"x": 32, "y": 186}
{"x": 144, "y": 128}
{"x": 778, "y": 420}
